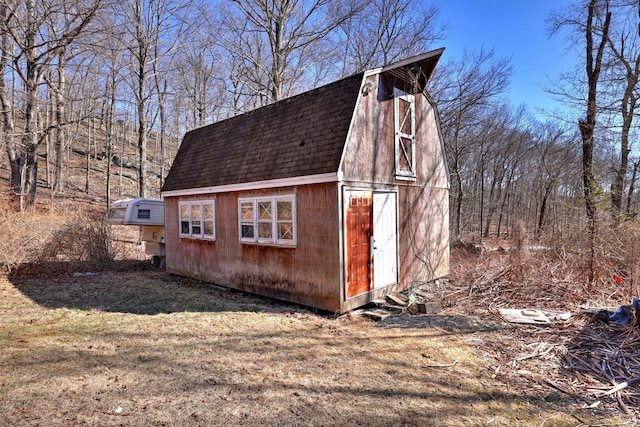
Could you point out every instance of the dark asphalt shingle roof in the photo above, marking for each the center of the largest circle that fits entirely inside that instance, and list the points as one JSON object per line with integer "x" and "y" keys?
{"x": 298, "y": 136}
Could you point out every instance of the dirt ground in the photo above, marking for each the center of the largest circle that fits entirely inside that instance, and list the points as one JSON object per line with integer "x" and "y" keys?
{"x": 138, "y": 347}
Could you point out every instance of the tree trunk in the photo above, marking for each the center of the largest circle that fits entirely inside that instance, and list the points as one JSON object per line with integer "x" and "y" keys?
{"x": 459, "y": 196}
{"x": 142, "y": 54}
{"x": 587, "y": 127}
{"x": 142, "y": 148}
{"x": 163, "y": 128}
{"x": 495, "y": 195}
{"x": 111, "y": 101}
{"x": 88, "y": 170}
{"x": 30, "y": 137}
{"x": 543, "y": 210}
{"x": 277, "y": 70}
{"x": 628, "y": 110}
{"x": 503, "y": 205}
{"x": 456, "y": 187}
{"x": 6, "y": 120}
{"x": 632, "y": 184}
{"x": 58, "y": 185}
{"x": 628, "y": 105}
{"x": 617, "y": 189}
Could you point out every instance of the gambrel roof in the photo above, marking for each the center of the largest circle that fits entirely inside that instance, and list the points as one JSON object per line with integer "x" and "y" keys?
{"x": 298, "y": 136}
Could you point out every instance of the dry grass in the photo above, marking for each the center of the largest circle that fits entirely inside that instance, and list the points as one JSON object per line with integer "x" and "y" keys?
{"x": 80, "y": 239}
{"x": 142, "y": 348}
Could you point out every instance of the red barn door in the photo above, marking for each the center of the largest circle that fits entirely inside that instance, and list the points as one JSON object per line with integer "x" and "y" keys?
{"x": 359, "y": 228}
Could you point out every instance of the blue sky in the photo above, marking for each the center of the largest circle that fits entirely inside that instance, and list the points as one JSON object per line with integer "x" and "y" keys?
{"x": 516, "y": 29}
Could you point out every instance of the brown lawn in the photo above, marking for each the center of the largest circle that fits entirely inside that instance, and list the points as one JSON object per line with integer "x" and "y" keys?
{"x": 139, "y": 347}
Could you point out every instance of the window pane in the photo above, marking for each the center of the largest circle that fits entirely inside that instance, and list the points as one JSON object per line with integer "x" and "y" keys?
{"x": 404, "y": 110}
{"x": 285, "y": 230}
{"x": 265, "y": 230}
{"x": 184, "y": 212}
{"x": 247, "y": 211}
{"x": 195, "y": 212}
{"x": 285, "y": 211}
{"x": 116, "y": 213}
{"x": 247, "y": 230}
{"x": 144, "y": 214}
{"x": 208, "y": 228}
{"x": 184, "y": 227}
{"x": 406, "y": 159}
{"x": 264, "y": 210}
{"x": 195, "y": 220}
{"x": 207, "y": 211}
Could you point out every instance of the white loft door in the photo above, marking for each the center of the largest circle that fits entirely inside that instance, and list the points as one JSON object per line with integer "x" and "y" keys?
{"x": 385, "y": 242}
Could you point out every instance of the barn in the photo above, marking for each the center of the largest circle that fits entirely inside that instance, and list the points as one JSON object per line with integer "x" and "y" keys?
{"x": 330, "y": 199}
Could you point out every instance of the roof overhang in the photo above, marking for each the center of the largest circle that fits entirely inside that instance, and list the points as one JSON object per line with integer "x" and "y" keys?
{"x": 260, "y": 185}
{"x": 416, "y": 70}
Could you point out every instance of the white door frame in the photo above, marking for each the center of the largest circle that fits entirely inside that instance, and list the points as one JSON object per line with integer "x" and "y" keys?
{"x": 384, "y": 245}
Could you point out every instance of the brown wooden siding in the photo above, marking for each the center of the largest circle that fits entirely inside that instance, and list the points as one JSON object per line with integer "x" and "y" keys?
{"x": 423, "y": 204}
{"x": 308, "y": 274}
{"x": 370, "y": 151}
{"x": 423, "y": 230}
{"x": 431, "y": 169}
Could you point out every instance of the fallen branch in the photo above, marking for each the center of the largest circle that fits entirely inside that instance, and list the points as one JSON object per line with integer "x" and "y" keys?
{"x": 615, "y": 389}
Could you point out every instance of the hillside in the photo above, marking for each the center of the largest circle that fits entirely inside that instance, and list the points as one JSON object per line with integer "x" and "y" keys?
{"x": 67, "y": 230}
{"x": 85, "y": 161}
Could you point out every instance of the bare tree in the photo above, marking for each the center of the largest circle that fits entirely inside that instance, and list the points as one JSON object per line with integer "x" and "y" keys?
{"x": 201, "y": 77}
{"x": 632, "y": 184}
{"x": 26, "y": 24}
{"x": 154, "y": 33}
{"x": 623, "y": 44}
{"x": 595, "y": 26}
{"x": 464, "y": 90}
{"x": 143, "y": 39}
{"x": 111, "y": 52}
{"x": 591, "y": 21}
{"x": 57, "y": 84}
{"x": 7, "y": 123}
{"x": 510, "y": 141}
{"x": 276, "y": 39}
{"x": 385, "y": 31}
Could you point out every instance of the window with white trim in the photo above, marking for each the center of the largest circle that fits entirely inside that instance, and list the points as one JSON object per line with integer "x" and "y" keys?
{"x": 405, "y": 134}
{"x": 198, "y": 219}
{"x": 267, "y": 220}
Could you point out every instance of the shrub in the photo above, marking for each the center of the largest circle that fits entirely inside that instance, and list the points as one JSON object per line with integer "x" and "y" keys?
{"x": 39, "y": 237}
{"x": 85, "y": 243}
{"x": 25, "y": 233}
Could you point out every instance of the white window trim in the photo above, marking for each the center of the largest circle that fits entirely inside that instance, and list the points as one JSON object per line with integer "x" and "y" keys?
{"x": 274, "y": 240}
{"x": 398, "y": 95}
{"x": 201, "y": 204}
